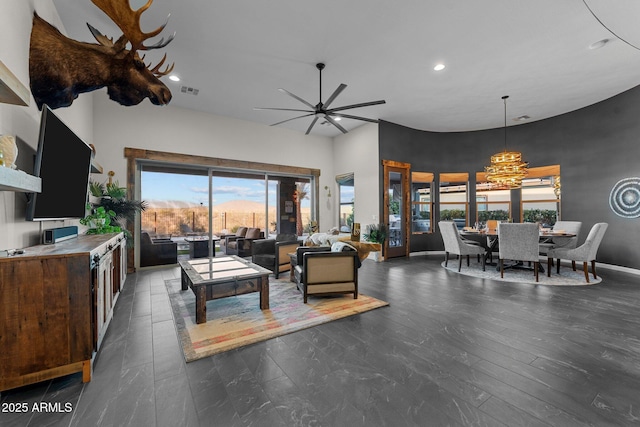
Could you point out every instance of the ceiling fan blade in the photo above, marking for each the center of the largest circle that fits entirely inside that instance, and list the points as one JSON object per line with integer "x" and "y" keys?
{"x": 298, "y": 98}
{"x": 288, "y": 120}
{"x": 333, "y": 122}
{"x": 283, "y": 109}
{"x": 335, "y": 94}
{"x": 315, "y": 119}
{"x": 364, "y": 104}
{"x": 349, "y": 116}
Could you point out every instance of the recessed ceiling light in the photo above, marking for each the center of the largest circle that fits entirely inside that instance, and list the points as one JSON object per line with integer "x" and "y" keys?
{"x": 439, "y": 67}
{"x": 598, "y": 44}
{"x": 521, "y": 118}
{"x": 174, "y": 78}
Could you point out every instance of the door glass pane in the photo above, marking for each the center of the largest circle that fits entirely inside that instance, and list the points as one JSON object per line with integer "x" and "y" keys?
{"x": 396, "y": 220}
{"x": 178, "y": 203}
{"x": 238, "y": 202}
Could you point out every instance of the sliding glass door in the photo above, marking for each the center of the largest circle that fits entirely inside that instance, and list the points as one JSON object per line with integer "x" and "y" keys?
{"x": 187, "y": 203}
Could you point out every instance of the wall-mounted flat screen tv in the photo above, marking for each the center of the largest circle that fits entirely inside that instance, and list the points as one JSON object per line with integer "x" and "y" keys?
{"x": 63, "y": 162}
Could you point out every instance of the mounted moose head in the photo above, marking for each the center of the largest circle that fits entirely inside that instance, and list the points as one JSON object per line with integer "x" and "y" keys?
{"x": 61, "y": 68}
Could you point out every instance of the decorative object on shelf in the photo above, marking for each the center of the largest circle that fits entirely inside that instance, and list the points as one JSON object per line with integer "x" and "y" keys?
{"x": 507, "y": 170}
{"x": 56, "y": 82}
{"x": 99, "y": 221}
{"x": 375, "y": 233}
{"x": 557, "y": 186}
{"x": 113, "y": 198}
{"x": 331, "y": 115}
{"x": 355, "y": 232}
{"x": 8, "y": 151}
{"x": 624, "y": 199}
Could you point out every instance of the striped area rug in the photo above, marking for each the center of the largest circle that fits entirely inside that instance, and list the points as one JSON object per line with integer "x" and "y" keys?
{"x": 237, "y": 321}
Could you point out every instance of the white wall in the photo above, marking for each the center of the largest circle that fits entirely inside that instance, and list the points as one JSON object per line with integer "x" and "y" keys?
{"x": 179, "y": 130}
{"x": 111, "y": 127}
{"x": 24, "y": 122}
{"x": 357, "y": 152}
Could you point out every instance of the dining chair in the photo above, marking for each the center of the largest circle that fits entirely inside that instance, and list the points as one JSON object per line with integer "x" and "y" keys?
{"x": 492, "y": 241}
{"x": 556, "y": 242}
{"x": 453, "y": 244}
{"x": 518, "y": 242}
{"x": 584, "y": 253}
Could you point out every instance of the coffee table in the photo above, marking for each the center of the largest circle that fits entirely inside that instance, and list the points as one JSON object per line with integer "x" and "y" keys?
{"x": 213, "y": 278}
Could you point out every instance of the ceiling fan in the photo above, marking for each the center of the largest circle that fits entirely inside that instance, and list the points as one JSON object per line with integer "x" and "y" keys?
{"x": 321, "y": 110}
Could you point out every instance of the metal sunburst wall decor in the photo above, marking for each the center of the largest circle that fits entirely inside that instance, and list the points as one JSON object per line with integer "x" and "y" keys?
{"x": 624, "y": 199}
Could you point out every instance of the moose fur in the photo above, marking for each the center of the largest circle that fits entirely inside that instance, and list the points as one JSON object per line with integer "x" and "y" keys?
{"x": 61, "y": 68}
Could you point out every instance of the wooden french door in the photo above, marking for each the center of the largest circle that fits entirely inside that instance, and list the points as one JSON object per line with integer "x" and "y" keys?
{"x": 397, "y": 208}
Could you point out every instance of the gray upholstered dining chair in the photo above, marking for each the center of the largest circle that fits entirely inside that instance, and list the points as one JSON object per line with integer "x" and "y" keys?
{"x": 556, "y": 242}
{"x": 519, "y": 242}
{"x": 584, "y": 253}
{"x": 453, "y": 244}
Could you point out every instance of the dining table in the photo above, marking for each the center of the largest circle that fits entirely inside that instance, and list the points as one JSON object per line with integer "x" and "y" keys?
{"x": 492, "y": 239}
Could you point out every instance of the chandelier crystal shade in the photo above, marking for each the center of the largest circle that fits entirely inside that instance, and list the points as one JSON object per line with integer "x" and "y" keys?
{"x": 507, "y": 170}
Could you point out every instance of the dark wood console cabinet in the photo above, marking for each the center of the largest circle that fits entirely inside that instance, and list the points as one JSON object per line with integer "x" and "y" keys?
{"x": 56, "y": 302}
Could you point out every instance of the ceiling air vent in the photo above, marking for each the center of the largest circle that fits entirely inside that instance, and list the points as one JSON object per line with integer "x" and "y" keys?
{"x": 189, "y": 90}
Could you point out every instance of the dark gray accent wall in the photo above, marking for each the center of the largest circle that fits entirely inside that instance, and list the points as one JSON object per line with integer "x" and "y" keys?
{"x": 595, "y": 147}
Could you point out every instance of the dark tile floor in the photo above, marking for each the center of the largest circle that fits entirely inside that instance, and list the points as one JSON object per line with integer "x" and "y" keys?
{"x": 449, "y": 350}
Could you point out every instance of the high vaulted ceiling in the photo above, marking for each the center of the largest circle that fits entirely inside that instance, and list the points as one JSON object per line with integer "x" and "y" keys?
{"x": 237, "y": 53}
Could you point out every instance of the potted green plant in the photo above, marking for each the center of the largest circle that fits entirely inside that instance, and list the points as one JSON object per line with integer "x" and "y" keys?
{"x": 375, "y": 233}
{"x": 110, "y": 213}
{"x": 99, "y": 221}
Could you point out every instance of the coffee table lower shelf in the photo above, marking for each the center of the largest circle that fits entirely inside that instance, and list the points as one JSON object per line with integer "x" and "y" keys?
{"x": 223, "y": 283}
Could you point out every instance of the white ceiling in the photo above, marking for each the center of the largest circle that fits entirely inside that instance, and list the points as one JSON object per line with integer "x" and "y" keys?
{"x": 237, "y": 53}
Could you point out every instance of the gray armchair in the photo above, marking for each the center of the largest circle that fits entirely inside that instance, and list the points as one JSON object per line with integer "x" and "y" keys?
{"x": 272, "y": 254}
{"x": 453, "y": 244}
{"x": 519, "y": 242}
{"x": 584, "y": 253}
{"x": 558, "y": 242}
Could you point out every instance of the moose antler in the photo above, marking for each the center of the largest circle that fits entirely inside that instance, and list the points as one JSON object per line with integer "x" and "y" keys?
{"x": 156, "y": 70}
{"x": 128, "y": 20}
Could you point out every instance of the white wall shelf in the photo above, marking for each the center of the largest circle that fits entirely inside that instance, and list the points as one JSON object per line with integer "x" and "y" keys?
{"x": 19, "y": 181}
{"x": 11, "y": 90}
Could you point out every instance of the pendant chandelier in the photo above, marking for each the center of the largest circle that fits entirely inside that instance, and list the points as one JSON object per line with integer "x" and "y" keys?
{"x": 507, "y": 170}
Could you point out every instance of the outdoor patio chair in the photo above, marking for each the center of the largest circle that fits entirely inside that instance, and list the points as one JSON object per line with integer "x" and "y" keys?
{"x": 585, "y": 253}
{"x": 241, "y": 246}
{"x": 185, "y": 230}
{"x": 157, "y": 252}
